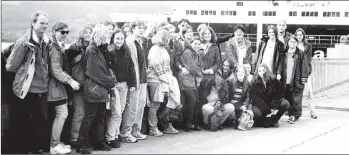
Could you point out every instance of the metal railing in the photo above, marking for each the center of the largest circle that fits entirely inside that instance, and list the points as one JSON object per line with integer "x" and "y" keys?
{"x": 329, "y": 73}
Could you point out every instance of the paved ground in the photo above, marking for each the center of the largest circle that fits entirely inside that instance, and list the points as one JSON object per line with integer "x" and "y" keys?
{"x": 327, "y": 134}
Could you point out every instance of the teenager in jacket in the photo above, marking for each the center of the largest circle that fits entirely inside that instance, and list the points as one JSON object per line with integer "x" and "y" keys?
{"x": 293, "y": 74}
{"x": 161, "y": 83}
{"x": 226, "y": 71}
{"x": 269, "y": 50}
{"x": 122, "y": 66}
{"x": 188, "y": 83}
{"x": 307, "y": 49}
{"x": 283, "y": 35}
{"x": 75, "y": 54}
{"x": 181, "y": 45}
{"x": 248, "y": 69}
{"x": 266, "y": 95}
{"x": 239, "y": 49}
{"x": 57, "y": 93}
{"x": 29, "y": 59}
{"x": 137, "y": 99}
{"x": 239, "y": 92}
{"x": 98, "y": 83}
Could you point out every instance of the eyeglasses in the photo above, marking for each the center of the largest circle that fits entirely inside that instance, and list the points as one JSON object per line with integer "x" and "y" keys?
{"x": 64, "y": 32}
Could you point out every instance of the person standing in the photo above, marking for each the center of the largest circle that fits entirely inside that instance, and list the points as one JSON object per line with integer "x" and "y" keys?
{"x": 29, "y": 59}
{"x": 76, "y": 56}
{"x": 137, "y": 99}
{"x": 98, "y": 83}
{"x": 293, "y": 73}
{"x": 306, "y": 48}
{"x": 122, "y": 65}
{"x": 283, "y": 35}
{"x": 57, "y": 92}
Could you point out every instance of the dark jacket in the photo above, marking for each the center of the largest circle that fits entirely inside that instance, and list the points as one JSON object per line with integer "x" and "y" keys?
{"x": 224, "y": 38}
{"x": 122, "y": 65}
{"x": 212, "y": 59}
{"x": 29, "y": 58}
{"x": 76, "y": 54}
{"x": 278, "y": 50}
{"x": 59, "y": 73}
{"x": 98, "y": 77}
{"x": 231, "y": 52}
{"x": 308, "y": 52}
{"x": 147, "y": 44}
{"x": 191, "y": 61}
{"x": 264, "y": 96}
{"x": 178, "y": 49}
{"x": 300, "y": 70}
{"x": 246, "y": 90}
{"x": 286, "y": 38}
{"x": 170, "y": 50}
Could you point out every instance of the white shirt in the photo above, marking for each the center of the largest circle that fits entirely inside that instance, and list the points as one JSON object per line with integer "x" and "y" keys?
{"x": 241, "y": 53}
{"x": 268, "y": 55}
{"x": 289, "y": 69}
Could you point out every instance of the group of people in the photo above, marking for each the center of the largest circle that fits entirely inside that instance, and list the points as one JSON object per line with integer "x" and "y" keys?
{"x": 121, "y": 84}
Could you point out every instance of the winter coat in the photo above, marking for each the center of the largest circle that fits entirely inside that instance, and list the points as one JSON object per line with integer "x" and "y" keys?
{"x": 232, "y": 49}
{"x": 191, "y": 61}
{"x": 212, "y": 59}
{"x": 300, "y": 70}
{"x": 278, "y": 50}
{"x": 246, "y": 90}
{"x": 76, "y": 54}
{"x": 27, "y": 59}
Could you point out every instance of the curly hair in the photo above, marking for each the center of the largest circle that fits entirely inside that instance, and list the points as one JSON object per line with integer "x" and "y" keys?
{"x": 100, "y": 34}
{"x": 213, "y": 35}
{"x": 267, "y": 75}
{"x": 220, "y": 85}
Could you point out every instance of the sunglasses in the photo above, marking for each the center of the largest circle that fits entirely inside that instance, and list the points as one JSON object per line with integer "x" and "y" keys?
{"x": 64, "y": 32}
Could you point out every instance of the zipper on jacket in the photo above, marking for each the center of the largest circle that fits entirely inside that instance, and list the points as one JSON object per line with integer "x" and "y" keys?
{"x": 94, "y": 87}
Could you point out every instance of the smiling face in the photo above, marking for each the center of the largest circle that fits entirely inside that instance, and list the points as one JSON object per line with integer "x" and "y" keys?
{"x": 239, "y": 34}
{"x": 292, "y": 43}
{"x": 261, "y": 71}
{"x": 299, "y": 36}
{"x": 41, "y": 24}
{"x": 62, "y": 34}
{"x": 127, "y": 31}
{"x": 87, "y": 34}
{"x": 281, "y": 26}
{"x": 240, "y": 73}
{"x": 119, "y": 39}
{"x": 247, "y": 68}
{"x": 138, "y": 30}
{"x": 226, "y": 66}
{"x": 189, "y": 33}
{"x": 207, "y": 35}
{"x": 271, "y": 33}
{"x": 196, "y": 45}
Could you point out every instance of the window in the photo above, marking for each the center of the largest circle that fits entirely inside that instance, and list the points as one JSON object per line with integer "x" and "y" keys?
{"x": 214, "y": 13}
{"x": 346, "y": 14}
{"x": 210, "y": 12}
{"x": 252, "y": 13}
{"x": 226, "y": 13}
{"x": 316, "y": 14}
{"x": 187, "y": 12}
{"x": 269, "y": 13}
{"x": 202, "y": 12}
{"x": 234, "y": 13}
{"x": 239, "y": 3}
{"x": 191, "y": 12}
{"x": 331, "y": 14}
{"x": 309, "y": 14}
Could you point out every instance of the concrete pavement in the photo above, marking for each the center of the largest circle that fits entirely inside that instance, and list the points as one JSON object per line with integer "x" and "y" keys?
{"x": 327, "y": 134}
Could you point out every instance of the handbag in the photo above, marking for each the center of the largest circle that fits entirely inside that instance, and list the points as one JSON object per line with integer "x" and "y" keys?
{"x": 246, "y": 120}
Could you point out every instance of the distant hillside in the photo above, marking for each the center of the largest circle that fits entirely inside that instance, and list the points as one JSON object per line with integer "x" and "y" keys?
{"x": 16, "y": 16}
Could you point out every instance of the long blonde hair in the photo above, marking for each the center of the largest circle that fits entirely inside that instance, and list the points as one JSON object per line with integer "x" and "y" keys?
{"x": 99, "y": 35}
{"x": 162, "y": 37}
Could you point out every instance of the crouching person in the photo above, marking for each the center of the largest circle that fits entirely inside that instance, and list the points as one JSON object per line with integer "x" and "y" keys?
{"x": 217, "y": 108}
{"x": 161, "y": 82}
{"x": 98, "y": 83}
{"x": 267, "y": 103}
{"x": 239, "y": 92}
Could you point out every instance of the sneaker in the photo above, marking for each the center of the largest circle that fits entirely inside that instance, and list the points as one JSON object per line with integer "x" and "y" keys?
{"x": 171, "y": 130}
{"x": 84, "y": 150}
{"x": 129, "y": 139}
{"x": 155, "y": 132}
{"x": 139, "y": 136}
{"x": 313, "y": 115}
{"x": 114, "y": 143}
{"x": 65, "y": 146}
{"x": 102, "y": 146}
{"x": 59, "y": 149}
{"x": 290, "y": 119}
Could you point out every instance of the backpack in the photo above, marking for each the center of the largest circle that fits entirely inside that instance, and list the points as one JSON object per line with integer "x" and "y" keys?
{"x": 246, "y": 120}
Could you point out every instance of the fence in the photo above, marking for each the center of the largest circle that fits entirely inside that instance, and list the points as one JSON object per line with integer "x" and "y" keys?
{"x": 329, "y": 73}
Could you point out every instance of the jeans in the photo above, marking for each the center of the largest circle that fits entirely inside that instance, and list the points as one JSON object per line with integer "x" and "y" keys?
{"x": 152, "y": 115}
{"x": 132, "y": 116}
{"x": 79, "y": 112}
{"x": 94, "y": 112}
{"x": 189, "y": 99}
{"x": 58, "y": 123}
{"x": 116, "y": 112}
{"x": 295, "y": 100}
{"x": 29, "y": 122}
{"x": 207, "y": 111}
